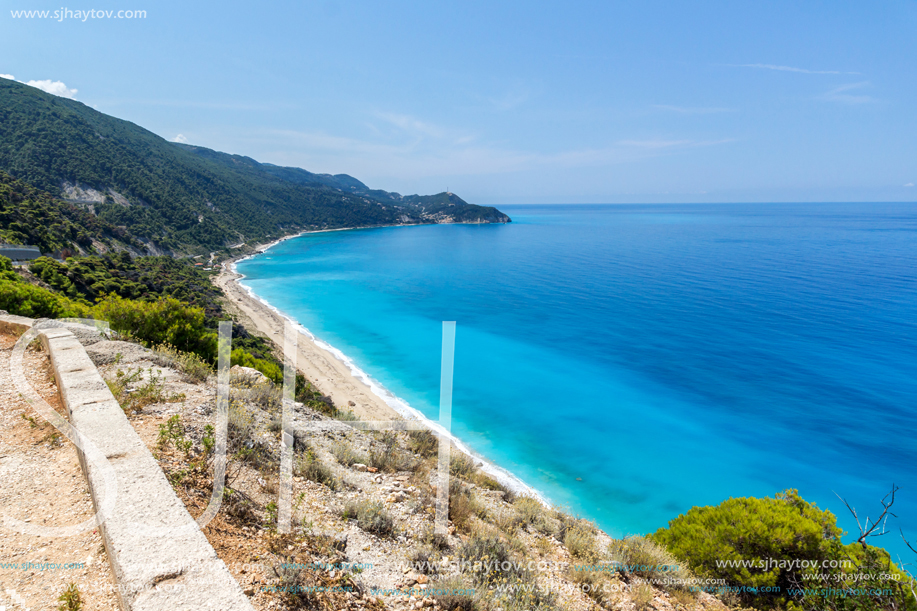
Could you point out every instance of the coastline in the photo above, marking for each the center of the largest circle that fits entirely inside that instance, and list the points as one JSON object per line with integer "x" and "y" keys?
{"x": 332, "y": 372}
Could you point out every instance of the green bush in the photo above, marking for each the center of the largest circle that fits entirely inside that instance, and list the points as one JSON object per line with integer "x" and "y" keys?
{"x": 763, "y": 542}
{"x": 165, "y": 321}
{"x": 29, "y": 300}
{"x": 70, "y": 599}
{"x": 272, "y": 371}
{"x": 6, "y": 270}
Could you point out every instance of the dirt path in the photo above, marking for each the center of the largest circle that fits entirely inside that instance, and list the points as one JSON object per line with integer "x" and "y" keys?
{"x": 42, "y": 483}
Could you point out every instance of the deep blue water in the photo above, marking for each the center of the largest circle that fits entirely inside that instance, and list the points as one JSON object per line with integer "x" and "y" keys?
{"x": 630, "y": 361}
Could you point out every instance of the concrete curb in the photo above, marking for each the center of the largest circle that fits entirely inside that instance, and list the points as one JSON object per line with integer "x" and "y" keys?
{"x": 173, "y": 567}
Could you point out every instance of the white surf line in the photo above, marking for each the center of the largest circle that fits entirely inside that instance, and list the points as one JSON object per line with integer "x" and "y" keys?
{"x": 402, "y": 407}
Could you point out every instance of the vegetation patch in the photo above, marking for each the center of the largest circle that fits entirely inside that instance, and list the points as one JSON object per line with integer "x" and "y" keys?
{"x": 370, "y": 516}
{"x": 308, "y": 465}
{"x": 137, "y": 388}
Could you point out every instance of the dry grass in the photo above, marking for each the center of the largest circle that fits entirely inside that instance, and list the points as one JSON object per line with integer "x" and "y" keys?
{"x": 463, "y": 506}
{"x": 389, "y": 457}
{"x": 579, "y": 540}
{"x": 632, "y": 553}
{"x": 308, "y": 465}
{"x": 193, "y": 368}
{"x": 136, "y": 388}
{"x": 642, "y": 596}
{"x": 370, "y": 516}
{"x": 344, "y": 452}
{"x": 506, "y": 520}
{"x": 424, "y": 443}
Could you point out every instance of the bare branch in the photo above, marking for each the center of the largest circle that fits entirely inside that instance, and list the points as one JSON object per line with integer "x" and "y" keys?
{"x": 906, "y": 542}
{"x": 870, "y": 531}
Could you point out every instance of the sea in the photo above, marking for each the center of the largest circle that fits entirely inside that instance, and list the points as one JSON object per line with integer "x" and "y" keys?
{"x": 629, "y": 362}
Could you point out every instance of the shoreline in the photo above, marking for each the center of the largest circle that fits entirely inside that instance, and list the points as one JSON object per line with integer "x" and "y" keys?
{"x": 332, "y": 372}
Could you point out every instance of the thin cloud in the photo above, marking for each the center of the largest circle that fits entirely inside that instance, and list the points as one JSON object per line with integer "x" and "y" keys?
{"x": 273, "y": 106}
{"x": 180, "y": 138}
{"x": 910, "y": 184}
{"x": 8, "y": 76}
{"x": 419, "y": 132}
{"x": 789, "y": 69}
{"x": 54, "y": 88}
{"x": 692, "y": 111}
{"x": 653, "y": 144}
{"x": 667, "y": 144}
{"x": 412, "y": 125}
{"x": 839, "y": 94}
{"x": 323, "y": 152}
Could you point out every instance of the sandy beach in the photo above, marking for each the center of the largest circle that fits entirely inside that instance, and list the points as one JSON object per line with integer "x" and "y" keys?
{"x": 327, "y": 373}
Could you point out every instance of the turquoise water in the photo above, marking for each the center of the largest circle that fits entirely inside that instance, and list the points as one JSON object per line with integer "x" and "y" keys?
{"x": 629, "y": 362}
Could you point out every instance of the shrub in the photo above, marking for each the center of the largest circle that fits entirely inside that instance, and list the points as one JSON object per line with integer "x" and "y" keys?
{"x": 457, "y": 595}
{"x": 462, "y": 505}
{"x": 580, "y": 541}
{"x": 309, "y": 466}
{"x": 263, "y": 394}
{"x": 345, "y": 454}
{"x": 488, "y": 559}
{"x": 271, "y": 370}
{"x": 422, "y": 561}
{"x": 173, "y": 431}
{"x": 389, "y": 457}
{"x": 370, "y": 516}
{"x": 787, "y": 531}
{"x": 242, "y": 445}
{"x": 192, "y": 367}
{"x": 461, "y": 465}
{"x": 488, "y": 483}
{"x": 165, "y": 321}
{"x": 432, "y": 539}
{"x": 642, "y": 595}
{"x": 507, "y": 521}
{"x": 530, "y": 511}
{"x": 746, "y": 529}
{"x": 522, "y": 594}
{"x": 423, "y": 442}
{"x": 6, "y": 270}
{"x": 291, "y": 581}
{"x": 134, "y": 391}
{"x": 646, "y": 558}
{"x": 70, "y": 599}
{"x": 597, "y": 585}
{"x": 24, "y": 299}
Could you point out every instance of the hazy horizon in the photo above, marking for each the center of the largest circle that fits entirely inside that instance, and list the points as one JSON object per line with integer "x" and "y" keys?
{"x": 532, "y": 103}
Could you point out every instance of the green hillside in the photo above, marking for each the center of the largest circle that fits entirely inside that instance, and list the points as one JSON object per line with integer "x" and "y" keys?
{"x": 31, "y": 216}
{"x": 186, "y": 199}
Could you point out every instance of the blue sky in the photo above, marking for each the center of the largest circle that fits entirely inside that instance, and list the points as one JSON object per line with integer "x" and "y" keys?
{"x": 516, "y": 102}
